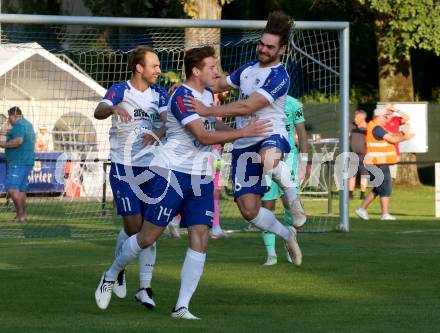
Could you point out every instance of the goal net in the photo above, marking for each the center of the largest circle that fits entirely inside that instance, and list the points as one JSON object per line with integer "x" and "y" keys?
{"x": 57, "y": 75}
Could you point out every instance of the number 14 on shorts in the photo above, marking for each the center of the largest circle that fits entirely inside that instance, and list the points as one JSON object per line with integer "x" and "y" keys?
{"x": 163, "y": 211}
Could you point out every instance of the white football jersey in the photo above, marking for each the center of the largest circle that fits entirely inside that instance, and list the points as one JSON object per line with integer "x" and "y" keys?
{"x": 182, "y": 152}
{"x": 126, "y": 145}
{"x": 271, "y": 82}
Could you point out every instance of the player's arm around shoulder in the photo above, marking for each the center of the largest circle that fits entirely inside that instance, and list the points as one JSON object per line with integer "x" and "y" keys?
{"x": 205, "y": 137}
{"x": 275, "y": 86}
{"x": 239, "y": 108}
{"x": 244, "y": 107}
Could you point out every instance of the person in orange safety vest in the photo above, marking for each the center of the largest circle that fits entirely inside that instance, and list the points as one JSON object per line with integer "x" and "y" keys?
{"x": 380, "y": 154}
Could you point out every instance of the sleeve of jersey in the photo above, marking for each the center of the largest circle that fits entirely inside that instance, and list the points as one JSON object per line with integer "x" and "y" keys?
{"x": 163, "y": 100}
{"x": 180, "y": 110}
{"x": 234, "y": 78}
{"x": 114, "y": 95}
{"x": 299, "y": 113}
{"x": 275, "y": 86}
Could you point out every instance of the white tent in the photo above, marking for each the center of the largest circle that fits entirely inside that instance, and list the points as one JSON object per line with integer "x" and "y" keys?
{"x": 53, "y": 93}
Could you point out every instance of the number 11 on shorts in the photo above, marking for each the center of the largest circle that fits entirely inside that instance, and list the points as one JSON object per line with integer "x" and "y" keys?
{"x": 126, "y": 204}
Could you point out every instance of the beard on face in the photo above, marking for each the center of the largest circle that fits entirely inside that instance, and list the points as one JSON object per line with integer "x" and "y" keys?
{"x": 265, "y": 58}
{"x": 150, "y": 79}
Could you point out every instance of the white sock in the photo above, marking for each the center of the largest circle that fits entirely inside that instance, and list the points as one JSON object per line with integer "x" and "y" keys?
{"x": 266, "y": 221}
{"x": 281, "y": 174}
{"x": 192, "y": 270}
{"x": 147, "y": 259}
{"x": 122, "y": 237}
{"x": 130, "y": 251}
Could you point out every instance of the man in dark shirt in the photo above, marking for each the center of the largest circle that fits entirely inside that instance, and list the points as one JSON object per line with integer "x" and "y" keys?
{"x": 357, "y": 146}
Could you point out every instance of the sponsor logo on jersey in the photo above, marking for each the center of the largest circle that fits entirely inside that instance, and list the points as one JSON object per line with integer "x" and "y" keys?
{"x": 141, "y": 114}
{"x": 155, "y": 116}
{"x": 279, "y": 87}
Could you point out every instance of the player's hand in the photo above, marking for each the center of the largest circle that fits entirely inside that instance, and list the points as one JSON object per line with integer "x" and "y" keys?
{"x": 150, "y": 138}
{"x": 257, "y": 128}
{"x": 121, "y": 113}
{"x": 197, "y": 106}
{"x": 173, "y": 88}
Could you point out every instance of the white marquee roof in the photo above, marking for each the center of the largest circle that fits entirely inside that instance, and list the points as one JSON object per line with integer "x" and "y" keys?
{"x": 28, "y": 71}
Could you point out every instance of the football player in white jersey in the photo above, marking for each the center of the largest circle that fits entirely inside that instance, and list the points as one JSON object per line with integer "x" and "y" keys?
{"x": 184, "y": 180}
{"x": 138, "y": 109}
{"x": 263, "y": 86}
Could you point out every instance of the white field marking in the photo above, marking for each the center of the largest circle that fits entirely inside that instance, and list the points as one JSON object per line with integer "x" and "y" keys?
{"x": 50, "y": 266}
{"x": 417, "y": 231}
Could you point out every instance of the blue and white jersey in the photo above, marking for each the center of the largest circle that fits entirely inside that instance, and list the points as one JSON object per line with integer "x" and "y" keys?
{"x": 126, "y": 145}
{"x": 182, "y": 151}
{"x": 271, "y": 82}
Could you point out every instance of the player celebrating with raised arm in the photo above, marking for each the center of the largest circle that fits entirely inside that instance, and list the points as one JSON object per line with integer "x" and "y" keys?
{"x": 263, "y": 86}
{"x": 138, "y": 115}
{"x": 183, "y": 158}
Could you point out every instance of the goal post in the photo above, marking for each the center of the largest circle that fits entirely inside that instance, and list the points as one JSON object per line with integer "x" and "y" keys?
{"x": 58, "y": 67}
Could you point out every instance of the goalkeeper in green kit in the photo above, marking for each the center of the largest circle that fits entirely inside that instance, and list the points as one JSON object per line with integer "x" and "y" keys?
{"x": 295, "y": 120}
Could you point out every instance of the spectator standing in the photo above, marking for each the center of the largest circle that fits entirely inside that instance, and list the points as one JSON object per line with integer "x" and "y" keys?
{"x": 357, "y": 145}
{"x": 43, "y": 139}
{"x": 20, "y": 157}
{"x": 381, "y": 153}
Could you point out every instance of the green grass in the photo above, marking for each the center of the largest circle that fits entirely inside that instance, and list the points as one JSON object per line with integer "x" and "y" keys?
{"x": 380, "y": 277}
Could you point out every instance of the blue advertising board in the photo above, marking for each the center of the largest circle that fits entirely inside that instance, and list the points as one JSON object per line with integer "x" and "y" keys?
{"x": 42, "y": 178}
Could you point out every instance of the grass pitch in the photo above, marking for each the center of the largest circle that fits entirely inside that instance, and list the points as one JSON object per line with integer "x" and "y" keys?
{"x": 382, "y": 276}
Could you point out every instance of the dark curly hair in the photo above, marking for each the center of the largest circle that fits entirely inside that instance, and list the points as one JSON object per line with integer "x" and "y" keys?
{"x": 279, "y": 23}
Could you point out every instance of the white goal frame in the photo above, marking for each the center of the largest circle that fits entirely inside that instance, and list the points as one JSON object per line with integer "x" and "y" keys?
{"x": 342, "y": 28}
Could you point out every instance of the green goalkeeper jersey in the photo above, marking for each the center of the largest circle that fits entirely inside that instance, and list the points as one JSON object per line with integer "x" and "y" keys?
{"x": 295, "y": 115}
